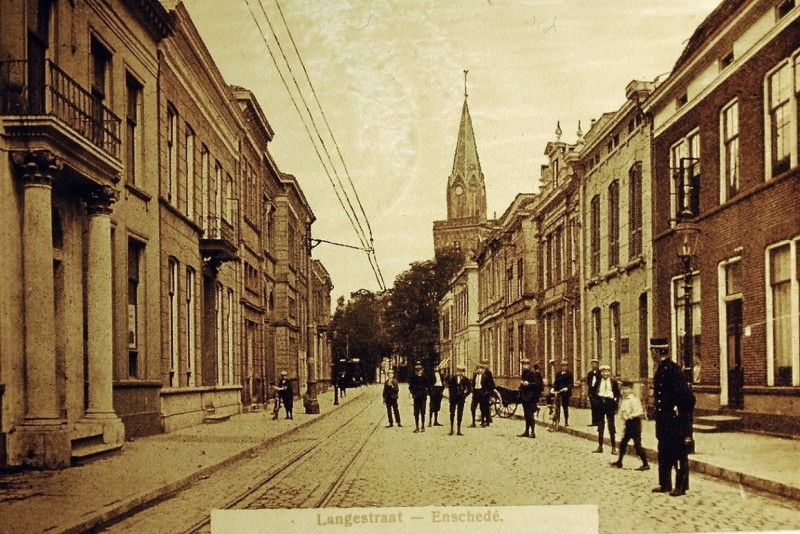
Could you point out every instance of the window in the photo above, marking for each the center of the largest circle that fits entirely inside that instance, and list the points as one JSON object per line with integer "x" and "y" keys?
{"x": 783, "y": 364}
{"x": 679, "y": 292}
{"x": 520, "y": 280}
{"x": 726, "y": 60}
{"x": 189, "y": 172}
{"x": 685, "y": 185}
{"x": 172, "y": 155}
{"x": 217, "y": 218}
{"x": 173, "y": 323}
{"x": 783, "y": 8}
{"x": 133, "y": 133}
{"x": 597, "y": 334}
{"x": 291, "y": 244}
{"x": 218, "y": 323}
{"x": 616, "y": 333}
{"x": 135, "y": 251}
{"x": 228, "y": 199}
{"x": 635, "y": 211}
{"x": 521, "y": 340}
{"x": 509, "y": 284}
{"x": 613, "y": 223}
{"x": 729, "y": 151}
{"x": 681, "y": 100}
{"x": 780, "y": 118}
{"x": 101, "y": 66}
{"x": 191, "y": 346}
{"x": 558, "y": 259}
{"x": 594, "y": 242}
{"x": 229, "y": 337}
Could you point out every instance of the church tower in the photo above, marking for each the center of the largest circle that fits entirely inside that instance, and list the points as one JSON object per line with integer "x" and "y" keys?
{"x": 466, "y": 192}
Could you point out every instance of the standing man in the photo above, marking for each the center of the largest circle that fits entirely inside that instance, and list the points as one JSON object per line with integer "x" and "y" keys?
{"x": 530, "y": 389}
{"x": 488, "y": 389}
{"x": 284, "y": 388}
{"x": 437, "y": 391}
{"x": 391, "y": 390}
{"x": 458, "y": 388}
{"x": 477, "y": 392}
{"x": 562, "y": 384}
{"x": 674, "y": 403}
{"x": 592, "y": 381}
{"x": 607, "y": 399}
{"x": 418, "y": 386}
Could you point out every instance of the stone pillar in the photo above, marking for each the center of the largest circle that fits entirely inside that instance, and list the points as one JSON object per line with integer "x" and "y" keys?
{"x": 99, "y": 303}
{"x": 42, "y": 439}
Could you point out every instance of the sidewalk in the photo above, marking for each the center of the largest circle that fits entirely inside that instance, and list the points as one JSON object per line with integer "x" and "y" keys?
{"x": 756, "y": 461}
{"x": 78, "y": 498}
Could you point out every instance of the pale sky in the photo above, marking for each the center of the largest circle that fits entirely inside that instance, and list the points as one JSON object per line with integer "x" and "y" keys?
{"x": 389, "y": 77}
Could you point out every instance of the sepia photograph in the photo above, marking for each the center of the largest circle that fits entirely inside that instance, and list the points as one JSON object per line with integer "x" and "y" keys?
{"x": 361, "y": 266}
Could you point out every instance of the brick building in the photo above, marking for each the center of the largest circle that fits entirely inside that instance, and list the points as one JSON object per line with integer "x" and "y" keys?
{"x": 725, "y": 156}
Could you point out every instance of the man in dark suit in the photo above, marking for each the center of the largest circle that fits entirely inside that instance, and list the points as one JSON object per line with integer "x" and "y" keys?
{"x": 530, "y": 389}
{"x": 458, "y": 387}
{"x": 592, "y": 381}
{"x": 391, "y": 390}
{"x": 437, "y": 391}
{"x": 488, "y": 390}
{"x": 607, "y": 402}
{"x": 674, "y": 404}
{"x": 562, "y": 385}
{"x": 477, "y": 391}
{"x": 419, "y": 386}
{"x": 284, "y": 388}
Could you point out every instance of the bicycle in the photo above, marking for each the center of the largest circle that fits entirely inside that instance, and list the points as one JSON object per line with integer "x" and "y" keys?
{"x": 554, "y": 410}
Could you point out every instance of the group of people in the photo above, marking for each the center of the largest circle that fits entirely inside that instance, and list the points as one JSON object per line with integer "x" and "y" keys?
{"x": 673, "y": 408}
{"x": 459, "y": 387}
{"x": 672, "y": 395}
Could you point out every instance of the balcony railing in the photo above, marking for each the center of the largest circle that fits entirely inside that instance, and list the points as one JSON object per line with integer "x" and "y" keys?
{"x": 219, "y": 239}
{"x": 30, "y": 88}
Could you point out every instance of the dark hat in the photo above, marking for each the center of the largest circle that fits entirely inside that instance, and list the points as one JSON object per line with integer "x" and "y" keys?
{"x": 659, "y": 343}
{"x": 626, "y": 384}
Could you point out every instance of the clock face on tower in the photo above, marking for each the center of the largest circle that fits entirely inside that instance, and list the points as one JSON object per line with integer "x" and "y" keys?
{"x": 459, "y": 190}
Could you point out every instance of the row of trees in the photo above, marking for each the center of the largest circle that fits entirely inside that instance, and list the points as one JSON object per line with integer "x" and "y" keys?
{"x": 401, "y": 321}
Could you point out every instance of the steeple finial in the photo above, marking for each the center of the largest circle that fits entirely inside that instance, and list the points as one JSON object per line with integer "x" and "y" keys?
{"x": 558, "y": 130}
{"x": 465, "y": 82}
{"x": 579, "y": 132}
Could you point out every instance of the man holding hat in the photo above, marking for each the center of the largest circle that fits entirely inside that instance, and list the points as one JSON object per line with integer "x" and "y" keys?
{"x": 674, "y": 403}
{"x": 284, "y": 388}
{"x": 437, "y": 392}
{"x": 607, "y": 399}
{"x": 592, "y": 381}
{"x": 459, "y": 387}
{"x": 530, "y": 389}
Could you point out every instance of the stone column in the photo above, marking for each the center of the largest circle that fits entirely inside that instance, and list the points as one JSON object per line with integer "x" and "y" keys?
{"x": 42, "y": 440}
{"x": 38, "y": 170}
{"x": 99, "y": 302}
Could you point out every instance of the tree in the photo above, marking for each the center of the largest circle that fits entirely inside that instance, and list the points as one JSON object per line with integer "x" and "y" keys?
{"x": 358, "y": 330}
{"x": 412, "y": 311}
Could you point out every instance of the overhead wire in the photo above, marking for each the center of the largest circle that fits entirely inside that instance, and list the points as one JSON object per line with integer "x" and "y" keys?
{"x": 352, "y": 215}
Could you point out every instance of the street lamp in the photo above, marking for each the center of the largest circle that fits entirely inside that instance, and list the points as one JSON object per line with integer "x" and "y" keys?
{"x": 687, "y": 234}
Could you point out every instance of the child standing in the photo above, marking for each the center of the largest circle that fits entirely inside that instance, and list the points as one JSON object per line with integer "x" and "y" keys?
{"x": 631, "y": 411}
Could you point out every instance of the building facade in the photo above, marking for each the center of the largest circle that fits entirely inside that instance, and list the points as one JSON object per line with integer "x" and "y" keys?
{"x": 80, "y": 340}
{"x": 616, "y": 273}
{"x": 725, "y": 142}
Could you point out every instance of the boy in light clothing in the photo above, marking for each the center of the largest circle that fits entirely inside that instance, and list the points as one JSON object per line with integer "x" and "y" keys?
{"x": 630, "y": 408}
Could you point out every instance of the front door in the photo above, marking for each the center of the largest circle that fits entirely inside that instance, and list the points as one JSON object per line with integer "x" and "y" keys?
{"x": 735, "y": 371}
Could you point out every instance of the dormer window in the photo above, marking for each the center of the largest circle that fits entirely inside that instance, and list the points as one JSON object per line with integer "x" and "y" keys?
{"x": 681, "y": 100}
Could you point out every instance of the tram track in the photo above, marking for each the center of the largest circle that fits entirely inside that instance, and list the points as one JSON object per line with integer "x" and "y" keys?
{"x": 246, "y": 482}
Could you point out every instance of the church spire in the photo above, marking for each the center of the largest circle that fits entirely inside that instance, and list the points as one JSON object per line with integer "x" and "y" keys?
{"x": 466, "y": 192}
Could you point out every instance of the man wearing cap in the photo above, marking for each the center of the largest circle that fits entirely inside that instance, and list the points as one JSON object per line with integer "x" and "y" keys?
{"x": 459, "y": 387}
{"x": 418, "y": 385}
{"x": 437, "y": 391}
{"x": 488, "y": 389}
{"x": 284, "y": 388}
{"x": 674, "y": 403}
{"x": 530, "y": 389}
{"x": 607, "y": 399}
{"x": 592, "y": 381}
{"x": 477, "y": 391}
{"x": 562, "y": 385}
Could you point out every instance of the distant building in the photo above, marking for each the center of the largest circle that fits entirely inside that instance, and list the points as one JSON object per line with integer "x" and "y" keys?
{"x": 466, "y": 195}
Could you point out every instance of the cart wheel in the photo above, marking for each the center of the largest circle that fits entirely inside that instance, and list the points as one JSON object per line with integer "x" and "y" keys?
{"x": 496, "y": 403}
{"x": 508, "y": 410}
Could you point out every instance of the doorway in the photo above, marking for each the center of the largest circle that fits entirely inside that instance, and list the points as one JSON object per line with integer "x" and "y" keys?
{"x": 735, "y": 371}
